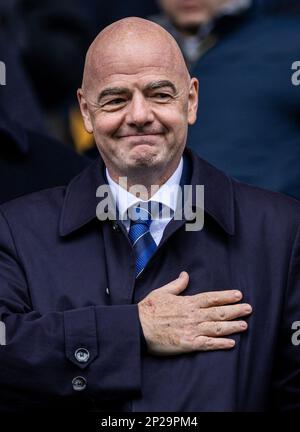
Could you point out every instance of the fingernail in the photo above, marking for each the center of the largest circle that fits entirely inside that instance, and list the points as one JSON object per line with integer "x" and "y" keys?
{"x": 243, "y": 324}
{"x": 237, "y": 294}
{"x": 248, "y": 309}
{"x": 231, "y": 342}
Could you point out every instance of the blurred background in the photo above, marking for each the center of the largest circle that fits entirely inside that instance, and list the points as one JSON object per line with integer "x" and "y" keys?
{"x": 241, "y": 51}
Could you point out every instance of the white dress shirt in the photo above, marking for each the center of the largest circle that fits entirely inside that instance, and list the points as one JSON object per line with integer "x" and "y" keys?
{"x": 166, "y": 195}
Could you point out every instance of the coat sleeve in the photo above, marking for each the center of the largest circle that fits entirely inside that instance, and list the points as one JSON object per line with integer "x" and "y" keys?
{"x": 93, "y": 352}
{"x": 287, "y": 361}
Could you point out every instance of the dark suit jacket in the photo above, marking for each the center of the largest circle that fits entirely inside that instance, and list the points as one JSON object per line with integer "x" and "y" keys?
{"x": 30, "y": 161}
{"x": 67, "y": 282}
{"x": 249, "y": 112}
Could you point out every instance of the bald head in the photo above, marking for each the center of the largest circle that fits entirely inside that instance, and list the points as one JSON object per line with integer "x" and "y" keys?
{"x": 138, "y": 100}
{"x": 133, "y": 41}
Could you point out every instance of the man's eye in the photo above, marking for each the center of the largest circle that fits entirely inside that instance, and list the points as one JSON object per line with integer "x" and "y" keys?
{"x": 161, "y": 96}
{"x": 116, "y": 101}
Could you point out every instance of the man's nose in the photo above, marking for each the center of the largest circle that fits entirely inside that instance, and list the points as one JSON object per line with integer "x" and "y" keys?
{"x": 139, "y": 111}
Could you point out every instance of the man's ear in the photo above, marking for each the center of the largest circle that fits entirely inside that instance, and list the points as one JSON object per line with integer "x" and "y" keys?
{"x": 193, "y": 101}
{"x": 84, "y": 111}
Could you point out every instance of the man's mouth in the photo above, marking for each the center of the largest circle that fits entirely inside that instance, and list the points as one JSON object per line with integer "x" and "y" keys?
{"x": 140, "y": 135}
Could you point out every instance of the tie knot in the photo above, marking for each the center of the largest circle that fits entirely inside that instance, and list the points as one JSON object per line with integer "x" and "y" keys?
{"x": 144, "y": 246}
{"x": 140, "y": 213}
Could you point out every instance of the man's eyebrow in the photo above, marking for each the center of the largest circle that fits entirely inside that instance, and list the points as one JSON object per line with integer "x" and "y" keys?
{"x": 160, "y": 84}
{"x": 112, "y": 91}
{"x": 116, "y": 91}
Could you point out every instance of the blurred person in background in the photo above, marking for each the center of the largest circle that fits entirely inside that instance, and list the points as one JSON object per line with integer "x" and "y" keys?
{"x": 249, "y": 112}
{"x": 193, "y": 22}
{"x": 53, "y": 36}
{"x": 30, "y": 159}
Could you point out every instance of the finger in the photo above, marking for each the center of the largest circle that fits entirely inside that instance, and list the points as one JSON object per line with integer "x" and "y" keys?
{"x": 225, "y": 313}
{"x": 178, "y": 285}
{"x": 203, "y": 343}
{"x": 217, "y": 298}
{"x": 219, "y": 328}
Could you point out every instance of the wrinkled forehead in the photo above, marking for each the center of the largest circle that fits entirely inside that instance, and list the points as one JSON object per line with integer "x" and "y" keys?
{"x": 133, "y": 59}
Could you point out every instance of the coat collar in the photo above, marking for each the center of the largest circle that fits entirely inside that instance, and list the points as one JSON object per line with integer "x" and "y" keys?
{"x": 80, "y": 202}
{"x": 218, "y": 192}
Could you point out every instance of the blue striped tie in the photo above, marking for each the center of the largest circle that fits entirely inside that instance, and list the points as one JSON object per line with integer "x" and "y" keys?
{"x": 139, "y": 234}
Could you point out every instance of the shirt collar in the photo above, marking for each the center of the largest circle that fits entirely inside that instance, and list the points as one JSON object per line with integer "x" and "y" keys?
{"x": 167, "y": 194}
{"x": 80, "y": 201}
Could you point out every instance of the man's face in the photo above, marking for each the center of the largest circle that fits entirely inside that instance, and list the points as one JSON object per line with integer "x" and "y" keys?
{"x": 189, "y": 14}
{"x": 139, "y": 110}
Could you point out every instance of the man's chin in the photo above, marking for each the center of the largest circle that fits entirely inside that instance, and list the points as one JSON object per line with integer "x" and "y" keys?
{"x": 143, "y": 155}
{"x": 142, "y": 165}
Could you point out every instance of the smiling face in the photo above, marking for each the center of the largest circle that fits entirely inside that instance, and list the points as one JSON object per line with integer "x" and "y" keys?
{"x": 138, "y": 100}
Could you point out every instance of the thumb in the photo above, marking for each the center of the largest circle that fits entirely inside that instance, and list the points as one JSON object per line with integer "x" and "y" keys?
{"x": 178, "y": 285}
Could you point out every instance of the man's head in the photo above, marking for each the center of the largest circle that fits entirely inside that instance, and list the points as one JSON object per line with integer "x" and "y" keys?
{"x": 188, "y": 15}
{"x": 137, "y": 98}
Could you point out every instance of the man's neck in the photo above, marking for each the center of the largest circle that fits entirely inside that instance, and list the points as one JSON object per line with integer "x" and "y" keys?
{"x": 146, "y": 186}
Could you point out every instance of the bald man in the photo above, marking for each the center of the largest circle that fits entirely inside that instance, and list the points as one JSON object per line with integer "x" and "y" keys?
{"x": 113, "y": 299}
